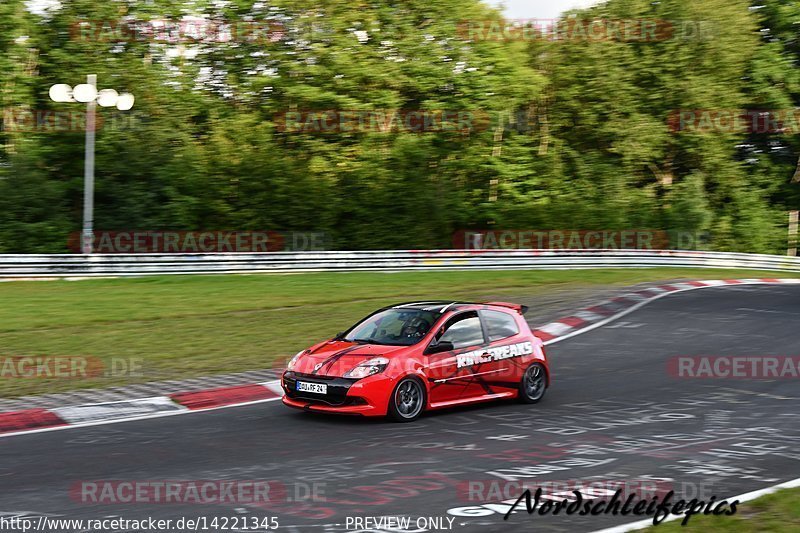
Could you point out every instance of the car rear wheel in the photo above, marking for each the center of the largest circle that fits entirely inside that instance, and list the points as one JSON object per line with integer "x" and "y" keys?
{"x": 407, "y": 401}
{"x": 533, "y": 384}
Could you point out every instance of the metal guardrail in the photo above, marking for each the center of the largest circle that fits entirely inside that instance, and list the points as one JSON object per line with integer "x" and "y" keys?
{"x": 51, "y": 266}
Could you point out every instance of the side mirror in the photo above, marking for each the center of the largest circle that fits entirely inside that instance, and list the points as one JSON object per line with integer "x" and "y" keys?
{"x": 439, "y": 347}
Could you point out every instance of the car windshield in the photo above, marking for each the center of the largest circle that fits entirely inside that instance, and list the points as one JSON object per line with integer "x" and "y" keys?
{"x": 396, "y": 327}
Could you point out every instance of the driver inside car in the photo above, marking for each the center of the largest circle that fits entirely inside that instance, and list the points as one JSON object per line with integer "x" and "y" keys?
{"x": 415, "y": 328}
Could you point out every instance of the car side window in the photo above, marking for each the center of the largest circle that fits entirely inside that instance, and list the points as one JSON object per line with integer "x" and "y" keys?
{"x": 499, "y": 325}
{"x": 463, "y": 330}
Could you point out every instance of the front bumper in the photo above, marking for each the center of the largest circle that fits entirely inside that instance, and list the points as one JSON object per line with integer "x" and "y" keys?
{"x": 367, "y": 397}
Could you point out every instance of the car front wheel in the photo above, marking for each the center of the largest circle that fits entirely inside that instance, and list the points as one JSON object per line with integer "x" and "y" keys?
{"x": 407, "y": 401}
{"x": 533, "y": 384}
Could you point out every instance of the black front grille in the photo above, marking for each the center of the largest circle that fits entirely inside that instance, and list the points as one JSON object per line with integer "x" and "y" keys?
{"x": 337, "y": 389}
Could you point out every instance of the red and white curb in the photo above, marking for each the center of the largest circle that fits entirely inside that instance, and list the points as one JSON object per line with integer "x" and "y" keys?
{"x": 34, "y": 420}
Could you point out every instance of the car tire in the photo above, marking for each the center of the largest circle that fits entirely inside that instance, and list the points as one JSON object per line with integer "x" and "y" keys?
{"x": 408, "y": 400}
{"x": 533, "y": 384}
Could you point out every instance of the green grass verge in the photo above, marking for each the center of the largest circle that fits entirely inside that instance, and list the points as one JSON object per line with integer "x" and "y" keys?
{"x": 188, "y": 326}
{"x": 778, "y": 512}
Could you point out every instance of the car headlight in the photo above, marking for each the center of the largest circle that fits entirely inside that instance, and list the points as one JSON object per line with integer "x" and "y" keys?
{"x": 367, "y": 368}
{"x": 293, "y": 360}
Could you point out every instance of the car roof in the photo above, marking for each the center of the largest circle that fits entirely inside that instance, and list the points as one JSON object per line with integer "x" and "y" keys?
{"x": 441, "y": 306}
{"x": 434, "y": 306}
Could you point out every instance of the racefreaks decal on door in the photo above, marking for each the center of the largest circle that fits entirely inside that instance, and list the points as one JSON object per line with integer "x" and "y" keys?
{"x": 497, "y": 353}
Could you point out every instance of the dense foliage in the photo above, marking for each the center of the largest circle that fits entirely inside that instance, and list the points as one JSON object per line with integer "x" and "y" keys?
{"x": 567, "y": 133}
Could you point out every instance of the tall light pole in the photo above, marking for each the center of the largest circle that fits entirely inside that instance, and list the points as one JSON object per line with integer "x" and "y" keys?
{"x": 87, "y": 93}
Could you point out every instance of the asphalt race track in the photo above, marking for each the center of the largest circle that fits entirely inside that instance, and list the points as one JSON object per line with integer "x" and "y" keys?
{"x": 614, "y": 412}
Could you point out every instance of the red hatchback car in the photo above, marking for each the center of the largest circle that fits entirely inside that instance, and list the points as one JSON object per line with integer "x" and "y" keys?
{"x": 404, "y": 359}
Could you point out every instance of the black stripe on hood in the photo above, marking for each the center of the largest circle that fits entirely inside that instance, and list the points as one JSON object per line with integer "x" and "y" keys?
{"x": 335, "y": 357}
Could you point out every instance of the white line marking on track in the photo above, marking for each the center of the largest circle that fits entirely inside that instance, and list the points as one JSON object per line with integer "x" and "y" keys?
{"x": 760, "y": 394}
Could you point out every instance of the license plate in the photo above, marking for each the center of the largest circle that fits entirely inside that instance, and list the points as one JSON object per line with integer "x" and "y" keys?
{"x": 316, "y": 388}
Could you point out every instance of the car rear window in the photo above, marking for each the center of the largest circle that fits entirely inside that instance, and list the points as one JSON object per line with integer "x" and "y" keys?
{"x": 499, "y": 325}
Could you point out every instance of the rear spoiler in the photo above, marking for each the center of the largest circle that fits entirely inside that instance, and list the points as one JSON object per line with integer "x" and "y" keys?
{"x": 521, "y": 309}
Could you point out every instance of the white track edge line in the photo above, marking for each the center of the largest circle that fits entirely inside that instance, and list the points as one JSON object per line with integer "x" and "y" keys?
{"x": 746, "y": 497}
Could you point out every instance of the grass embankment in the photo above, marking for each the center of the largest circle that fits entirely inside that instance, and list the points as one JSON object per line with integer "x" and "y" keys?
{"x": 778, "y": 512}
{"x": 188, "y": 326}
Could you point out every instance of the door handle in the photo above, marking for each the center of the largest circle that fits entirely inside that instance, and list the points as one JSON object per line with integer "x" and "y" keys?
{"x": 486, "y": 355}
